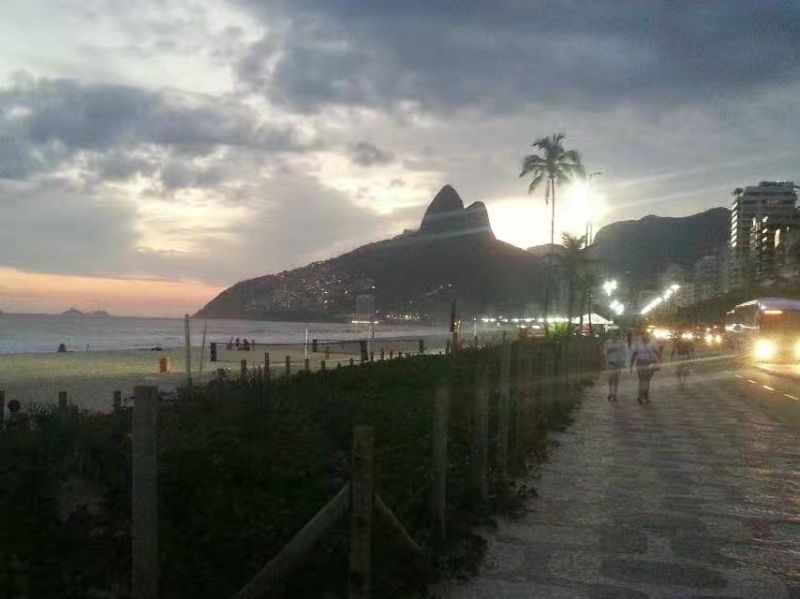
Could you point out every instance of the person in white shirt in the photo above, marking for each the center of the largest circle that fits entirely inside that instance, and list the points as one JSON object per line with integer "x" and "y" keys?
{"x": 616, "y": 357}
{"x": 645, "y": 355}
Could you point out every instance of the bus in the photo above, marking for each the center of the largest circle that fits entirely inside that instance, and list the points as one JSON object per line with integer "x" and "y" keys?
{"x": 767, "y": 328}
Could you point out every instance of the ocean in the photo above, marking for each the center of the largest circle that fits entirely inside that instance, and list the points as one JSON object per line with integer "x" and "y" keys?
{"x": 38, "y": 333}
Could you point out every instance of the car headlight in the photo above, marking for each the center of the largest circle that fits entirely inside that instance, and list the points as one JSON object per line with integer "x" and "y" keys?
{"x": 717, "y": 339}
{"x": 765, "y": 349}
{"x": 797, "y": 350}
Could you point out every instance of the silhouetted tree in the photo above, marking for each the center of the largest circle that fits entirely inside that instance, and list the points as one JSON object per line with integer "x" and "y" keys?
{"x": 553, "y": 166}
{"x": 573, "y": 260}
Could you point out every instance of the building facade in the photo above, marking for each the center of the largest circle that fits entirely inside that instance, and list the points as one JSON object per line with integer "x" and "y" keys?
{"x": 774, "y": 200}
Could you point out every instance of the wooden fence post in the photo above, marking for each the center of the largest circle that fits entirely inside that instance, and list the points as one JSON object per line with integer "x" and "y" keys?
{"x": 563, "y": 369}
{"x": 549, "y": 391}
{"x": 266, "y": 364}
{"x": 383, "y": 354}
{"x": 188, "y": 342}
{"x": 288, "y": 366}
{"x": 519, "y": 406}
{"x": 351, "y": 362}
{"x": 322, "y": 365}
{"x": 441, "y": 411}
{"x": 361, "y": 514}
{"x": 504, "y": 411}
{"x": 481, "y": 433}
{"x": 306, "y": 365}
{"x": 117, "y": 401}
{"x": 144, "y": 515}
{"x": 63, "y": 402}
{"x": 2, "y": 408}
{"x": 243, "y": 371}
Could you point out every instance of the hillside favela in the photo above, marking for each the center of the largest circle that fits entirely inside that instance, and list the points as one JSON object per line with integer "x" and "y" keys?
{"x": 366, "y": 300}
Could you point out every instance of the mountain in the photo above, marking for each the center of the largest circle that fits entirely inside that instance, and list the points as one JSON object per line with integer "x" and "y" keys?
{"x": 543, "y": 251}
{"x": 646, "y": 247}
{"x": 453, "y": 255}
{"x": 72, "y": 312}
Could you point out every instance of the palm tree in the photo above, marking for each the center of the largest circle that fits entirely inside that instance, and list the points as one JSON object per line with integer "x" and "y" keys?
{"x": 554, "y": 166}
{"x": 572, "y": 259}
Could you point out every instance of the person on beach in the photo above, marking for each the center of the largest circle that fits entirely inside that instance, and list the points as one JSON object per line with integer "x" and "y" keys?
{"x": 18, "y": 420}
{"x": 62, "y": 349}
{"x": 645, "y": 355}
{"x": 238, "y": 343}
{"x": 616, "y": 357}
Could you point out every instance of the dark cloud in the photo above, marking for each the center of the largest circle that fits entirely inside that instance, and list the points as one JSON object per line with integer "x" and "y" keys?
{"x": 499, "y": 55}
{"x": 121, "y": 165}
{"x": 364, "y": 153}
{"x": 45, "y": 121}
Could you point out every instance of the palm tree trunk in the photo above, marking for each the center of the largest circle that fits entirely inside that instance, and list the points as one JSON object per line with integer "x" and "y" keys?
{"x": 589, "y": 297}
{"x": 551, "y": 191}
{"x": 549, "y": 195}
{"x": 570, "y": 297}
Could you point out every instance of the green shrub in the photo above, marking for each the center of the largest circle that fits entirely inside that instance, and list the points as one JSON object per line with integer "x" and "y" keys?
{"x": 241, "y": 469}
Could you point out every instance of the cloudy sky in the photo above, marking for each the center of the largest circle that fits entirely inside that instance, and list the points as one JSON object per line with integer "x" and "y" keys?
{"x": 153, "y": 152}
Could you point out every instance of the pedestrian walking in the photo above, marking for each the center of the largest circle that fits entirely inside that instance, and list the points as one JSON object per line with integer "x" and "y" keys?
{"x": 683, "y": 348}
{"x": 616, "y": 357}
{"x": 645, "y": 355}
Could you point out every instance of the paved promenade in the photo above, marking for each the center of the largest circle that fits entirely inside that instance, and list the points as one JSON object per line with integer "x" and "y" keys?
{"x": 695, "y": 495}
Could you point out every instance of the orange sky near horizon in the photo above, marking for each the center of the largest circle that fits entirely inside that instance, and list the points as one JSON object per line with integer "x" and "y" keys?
{"x": 51, "y": 293}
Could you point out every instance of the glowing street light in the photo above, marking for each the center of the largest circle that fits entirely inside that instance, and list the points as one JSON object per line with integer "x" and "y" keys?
{"x": 610, "y": 287}
{"x": 670, "y": 291}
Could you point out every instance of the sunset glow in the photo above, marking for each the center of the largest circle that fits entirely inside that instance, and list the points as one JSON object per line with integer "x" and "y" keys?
{"x": 48, "y": 293}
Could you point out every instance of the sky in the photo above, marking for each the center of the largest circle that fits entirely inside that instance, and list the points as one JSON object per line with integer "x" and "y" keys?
{"x": 155, "y": 152}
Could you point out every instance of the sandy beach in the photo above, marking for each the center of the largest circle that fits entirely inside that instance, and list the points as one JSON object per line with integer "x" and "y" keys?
{"x": 90, "y": 378}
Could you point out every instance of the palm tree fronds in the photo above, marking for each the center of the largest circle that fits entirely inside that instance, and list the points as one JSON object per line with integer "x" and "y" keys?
{"x": 535, "y": 183}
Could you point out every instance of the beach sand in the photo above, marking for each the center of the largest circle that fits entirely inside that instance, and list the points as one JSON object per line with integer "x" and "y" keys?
{"x": 90, "y": 378}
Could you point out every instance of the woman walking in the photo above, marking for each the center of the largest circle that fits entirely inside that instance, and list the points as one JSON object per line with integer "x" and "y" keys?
{"x": 616, "y": 357}
{"x": 646, "y": 357}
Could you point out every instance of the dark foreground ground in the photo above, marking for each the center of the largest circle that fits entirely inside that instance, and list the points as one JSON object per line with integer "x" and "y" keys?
{"x": 694, "y": 495}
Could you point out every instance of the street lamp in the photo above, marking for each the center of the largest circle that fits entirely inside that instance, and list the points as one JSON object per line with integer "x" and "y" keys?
{"x": 609, "y": 287}
{"x": 589, "y": 230}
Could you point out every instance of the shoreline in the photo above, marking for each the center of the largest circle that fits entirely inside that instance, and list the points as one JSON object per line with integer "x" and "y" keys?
{"x": 90, "y": 378}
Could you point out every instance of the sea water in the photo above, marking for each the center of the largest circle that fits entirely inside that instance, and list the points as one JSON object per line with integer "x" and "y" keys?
{"x": 29, "y": 333}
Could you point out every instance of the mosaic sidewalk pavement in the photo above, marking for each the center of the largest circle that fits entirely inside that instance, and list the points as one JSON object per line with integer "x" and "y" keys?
{"x": 695, "y": 495}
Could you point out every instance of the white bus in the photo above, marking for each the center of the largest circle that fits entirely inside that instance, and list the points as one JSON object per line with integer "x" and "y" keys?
{"x": 767, "y": 328}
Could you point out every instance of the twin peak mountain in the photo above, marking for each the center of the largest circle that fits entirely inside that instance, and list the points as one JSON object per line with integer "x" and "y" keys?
{"x": 446, "y": 214}
{"x": 454, "y": 255}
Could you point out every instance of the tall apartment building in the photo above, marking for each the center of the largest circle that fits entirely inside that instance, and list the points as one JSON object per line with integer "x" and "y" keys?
{"x": 769, "y": 242}
{"x": 773, "y": 199}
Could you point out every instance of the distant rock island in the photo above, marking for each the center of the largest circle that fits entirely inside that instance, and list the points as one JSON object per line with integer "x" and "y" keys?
{"x": 76, "y": 312}
{"x": 454, "y": 254}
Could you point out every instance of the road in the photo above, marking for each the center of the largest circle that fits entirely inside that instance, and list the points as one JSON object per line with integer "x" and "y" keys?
{"x": 694, "y": 495}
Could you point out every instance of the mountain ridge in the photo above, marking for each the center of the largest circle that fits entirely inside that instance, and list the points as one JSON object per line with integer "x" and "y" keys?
{"x": 454, "y": 255}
